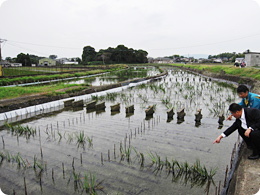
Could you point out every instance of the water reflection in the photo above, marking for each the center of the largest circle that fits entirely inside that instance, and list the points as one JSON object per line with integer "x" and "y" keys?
{"x": 118, "y": 76}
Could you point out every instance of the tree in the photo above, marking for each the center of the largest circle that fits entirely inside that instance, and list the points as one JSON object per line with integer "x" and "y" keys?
{"x": 9, "y": 59}
{"x": 120, "y": 54}
{"x": 141, "y": 56}
{"x": 88, "y": 55}
{"x": 78, "y": 60}
{"x": 105, "y": 56}
{"x": 53, "y": 57}
{"x": 24, "y": 59}
{"x": 35, "y": 59}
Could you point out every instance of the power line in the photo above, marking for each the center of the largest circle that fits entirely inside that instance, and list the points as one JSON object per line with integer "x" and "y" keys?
{"x": 214, "y": 43}
{"x": 18, "y": 46}
{"x": 35, "y": 44}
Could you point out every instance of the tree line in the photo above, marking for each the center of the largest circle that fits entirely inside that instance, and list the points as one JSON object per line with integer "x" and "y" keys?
{"x": 120, "y": 54}
{"x": 228, "y": 55}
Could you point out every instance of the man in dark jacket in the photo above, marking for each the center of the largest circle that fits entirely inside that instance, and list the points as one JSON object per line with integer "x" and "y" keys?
{"x": 248, "y": 125}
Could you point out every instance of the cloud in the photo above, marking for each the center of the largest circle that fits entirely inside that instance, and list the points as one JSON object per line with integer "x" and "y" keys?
{"x": 164, "y": 27}
{"x": 2, "y": 1}
{"x": 257, "y": 1}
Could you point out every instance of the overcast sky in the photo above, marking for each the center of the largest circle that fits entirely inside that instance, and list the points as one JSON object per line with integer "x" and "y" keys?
{"x": 160, "y": 27}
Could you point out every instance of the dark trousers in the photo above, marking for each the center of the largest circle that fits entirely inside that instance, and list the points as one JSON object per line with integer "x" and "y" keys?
{"x": 253, "y": 140}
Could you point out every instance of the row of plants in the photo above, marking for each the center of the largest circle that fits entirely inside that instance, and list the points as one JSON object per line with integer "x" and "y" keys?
{"x": 60, "y": 87}
{"x": 195, "y": 173}
{"x": 31, "y": 79}
{"x": 176, "y": 94}
{"x": 87, "y": 183}
{"x": 15, "y": 71}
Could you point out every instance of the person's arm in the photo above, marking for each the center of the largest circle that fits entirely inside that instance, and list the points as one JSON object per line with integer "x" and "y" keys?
{"x": 247, "y": 132}
{"x": 229, "y": 117}
{"x": 232, "y": 128}
{"x": 242, "y": 103}
{"x": 219, "y": 138}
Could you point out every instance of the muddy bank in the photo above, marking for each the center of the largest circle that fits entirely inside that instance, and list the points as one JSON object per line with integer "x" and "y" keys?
{"x": 31, "y": 100}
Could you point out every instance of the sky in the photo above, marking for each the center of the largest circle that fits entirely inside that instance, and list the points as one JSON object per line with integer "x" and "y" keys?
{"x": 160, "y": 27}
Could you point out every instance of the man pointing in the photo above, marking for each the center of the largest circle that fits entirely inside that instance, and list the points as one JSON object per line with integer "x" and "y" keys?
{"x": 248, "y": 125}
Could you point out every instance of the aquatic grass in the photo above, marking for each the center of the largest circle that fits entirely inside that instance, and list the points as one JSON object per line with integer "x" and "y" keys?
{"x": 13, "y": 158}
{"x": 142, "y": 86}
{"x": 20, "y": 130}
{"x": 90, "y": 141}
{"x": 90, "y": 184}
{"x": 144, "y": 98}
{"x": 98, "y": 98}
{"x": 36, "y": 163}
{"x": 76, "y": 178}
{"x": 167, "y": 101}
{"x": 140, "y": 157}
{"x": 70, "y": 138}
{"x": 2, "y": 156}
{"x": 112, "y": 96}
{"x": 194, "y": 172}
{"x": 81, "y": 138}
{"x": 60, "y": 136}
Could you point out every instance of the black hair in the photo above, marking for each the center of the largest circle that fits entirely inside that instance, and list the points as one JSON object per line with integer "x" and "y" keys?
{"x": 234, "y": 107}
{"x": 242, "y": 88}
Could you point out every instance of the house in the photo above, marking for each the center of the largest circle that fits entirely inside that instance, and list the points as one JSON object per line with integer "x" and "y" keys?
{"x": 70, "y": 62}
{"x": 62, "y": 60}
{"x": 252, "y": 58}
{"x": 4, "y": 63}
{"x": 163, "y": 60}
{"x": 47, "y": 62}
{"x": 16, "y": 64}
{"x": 217, "y": 60}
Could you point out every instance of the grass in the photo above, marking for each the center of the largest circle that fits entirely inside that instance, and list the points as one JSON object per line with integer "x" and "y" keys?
{"x": 14, "y": 71}
{"x": 250, "y": 72}
{"x": 20, "y": 130}
{"x": 14, "y": 92}
{"x": 81, "y": 138}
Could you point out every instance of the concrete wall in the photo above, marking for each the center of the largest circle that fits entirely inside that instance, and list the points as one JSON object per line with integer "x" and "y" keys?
{"x": 252, "y": 59}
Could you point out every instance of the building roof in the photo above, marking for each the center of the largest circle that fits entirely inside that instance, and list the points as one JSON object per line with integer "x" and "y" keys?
{"x": 249, "y": 52}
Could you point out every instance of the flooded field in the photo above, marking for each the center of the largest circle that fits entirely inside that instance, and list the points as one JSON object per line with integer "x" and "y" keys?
{"x": 82, "y": 150}
{"x": 118, "y": 76}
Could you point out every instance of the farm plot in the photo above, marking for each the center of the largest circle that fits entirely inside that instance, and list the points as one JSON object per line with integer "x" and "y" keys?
{"x": 118, "y": 76}
{"x": 90, "y": 151}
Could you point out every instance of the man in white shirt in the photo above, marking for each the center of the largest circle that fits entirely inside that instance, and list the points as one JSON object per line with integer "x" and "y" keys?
{"x": 248, "y": 125}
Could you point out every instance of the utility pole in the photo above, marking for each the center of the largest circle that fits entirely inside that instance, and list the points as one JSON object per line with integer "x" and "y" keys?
{"x": 1, "y": 41}
{"x": 1, "y": 72}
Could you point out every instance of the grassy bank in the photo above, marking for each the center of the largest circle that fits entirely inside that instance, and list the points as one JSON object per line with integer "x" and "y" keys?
{"x": 50, "y": 89}
{"x": 54, "y": 89}
{"x": 249, "y": 72}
